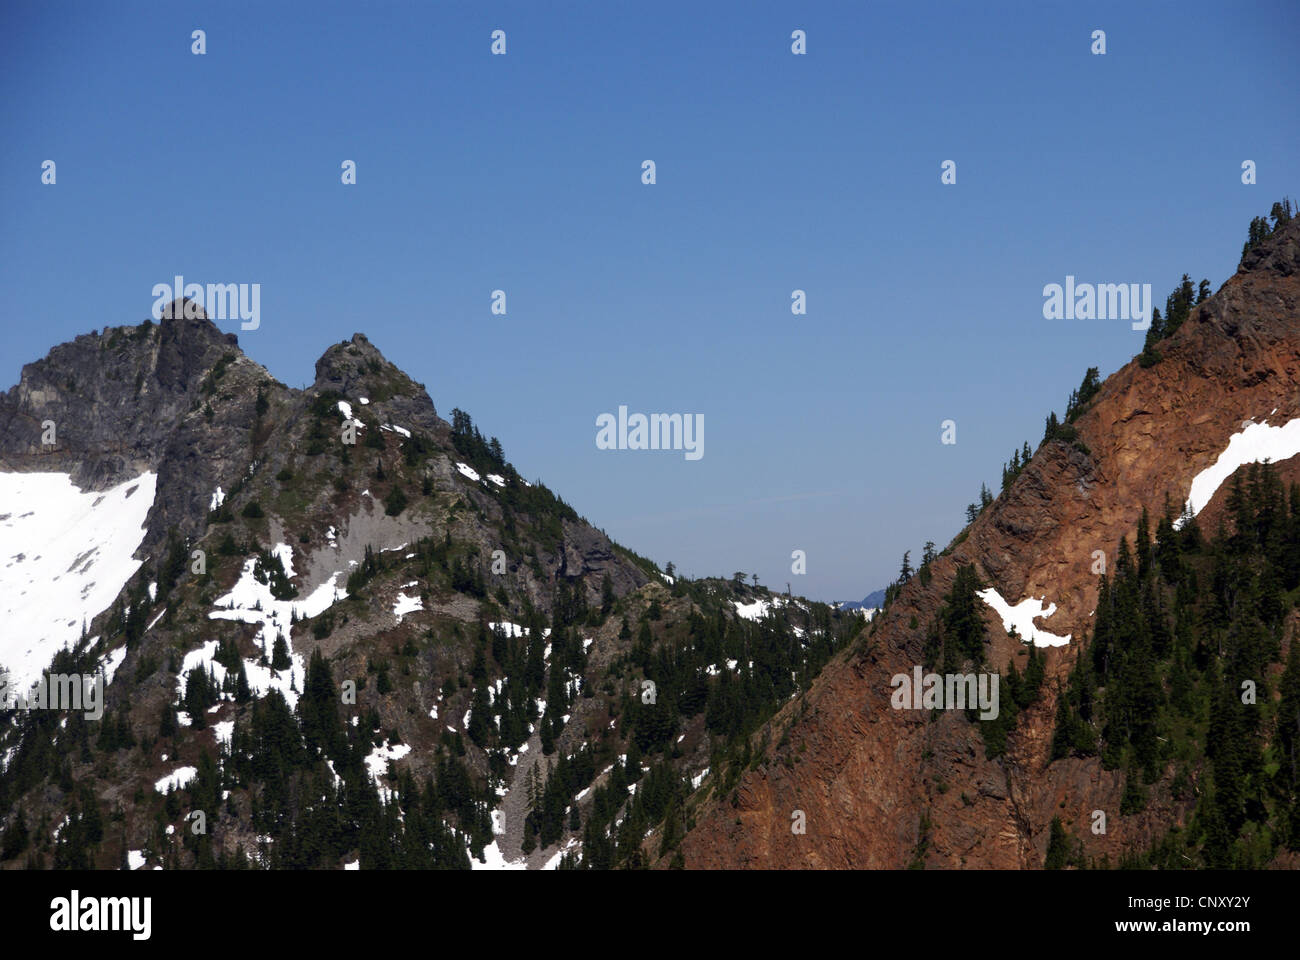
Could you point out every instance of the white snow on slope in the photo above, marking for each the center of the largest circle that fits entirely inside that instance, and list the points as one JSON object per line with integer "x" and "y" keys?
{"x": 378, "y": 759}
{"x": 758, "y": 609}
{"x": 515, "y": 630}
{"x": 396, "y": 429}
{"x": 405, "y": 605}
{"x": 467, "y": 471}
{"x": 1255, "y": 443}
{"x": 1022, "y": 616}
{"x": 251, "y": 602}
{"x": 554, "y": 862}
{"x": 224, "y": 731}
{"x": 496, "y": 478}
{"x": 345, "y": 408}
{"x": 135, "y": 859}
{"x": 493, "y": 859}
{"x": 110, "y": 662}
{"x": 496, "y": 861}
{"x": 218, "y": 498}
{"x": 65, "y": 555}
{"x": 177, "y": 779}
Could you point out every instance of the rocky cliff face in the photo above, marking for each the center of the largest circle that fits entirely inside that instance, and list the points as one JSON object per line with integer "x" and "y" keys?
{"x": 884, "y": 788}
{"x": 115, "y": 399}
{"x": 180, "y": 399}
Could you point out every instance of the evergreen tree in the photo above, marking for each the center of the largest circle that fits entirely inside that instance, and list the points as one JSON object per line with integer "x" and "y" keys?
{"x": 1058, "y": 846}
{"x": 280, "y": 654}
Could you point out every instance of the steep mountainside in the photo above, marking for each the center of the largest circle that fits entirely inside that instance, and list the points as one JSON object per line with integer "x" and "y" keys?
{"x": 884, "y": 787}
{"x": 337, "y": 629}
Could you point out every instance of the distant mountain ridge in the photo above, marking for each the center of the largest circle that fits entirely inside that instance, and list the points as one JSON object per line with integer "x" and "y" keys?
{"x": 872, "y": 601}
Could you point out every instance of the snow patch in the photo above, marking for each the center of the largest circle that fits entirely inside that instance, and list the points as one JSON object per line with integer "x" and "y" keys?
{"x": 1022, "y": 617}
{"x": 251, "y": 602}
{"x": 176, "y": 780}
{"x": 554, "y": 862}
{"x": 345, "y": 408}
{"x": 758, "y": 609}
{"x": 493, "y": 858}
{"x": 1255, "y": 443}
{"x": 224, "y": 731}
{"x": 379, "y": 758}
{"x": 110, "y": 662}
{"x": 65, "y": 555}
{"x": 405, "y": 605}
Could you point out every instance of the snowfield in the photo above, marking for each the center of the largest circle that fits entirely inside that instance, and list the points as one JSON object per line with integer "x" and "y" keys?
{"x": 65, "y": 555}
{"x": 1255, "y": 443}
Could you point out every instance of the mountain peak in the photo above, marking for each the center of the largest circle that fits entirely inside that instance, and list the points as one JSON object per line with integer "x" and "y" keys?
{"x": 1277, "y": 254}
{"x": 356, "y": 367}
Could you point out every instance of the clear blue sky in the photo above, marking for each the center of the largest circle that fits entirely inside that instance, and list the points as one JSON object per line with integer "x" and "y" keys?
{"x": 775, "y": 172}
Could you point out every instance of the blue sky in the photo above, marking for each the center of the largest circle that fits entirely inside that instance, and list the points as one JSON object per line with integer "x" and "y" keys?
{"x": 775, "y": 172}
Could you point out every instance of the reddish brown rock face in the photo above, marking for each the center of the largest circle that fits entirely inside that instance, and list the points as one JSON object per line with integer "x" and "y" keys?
{"x": 879, "y": 787}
